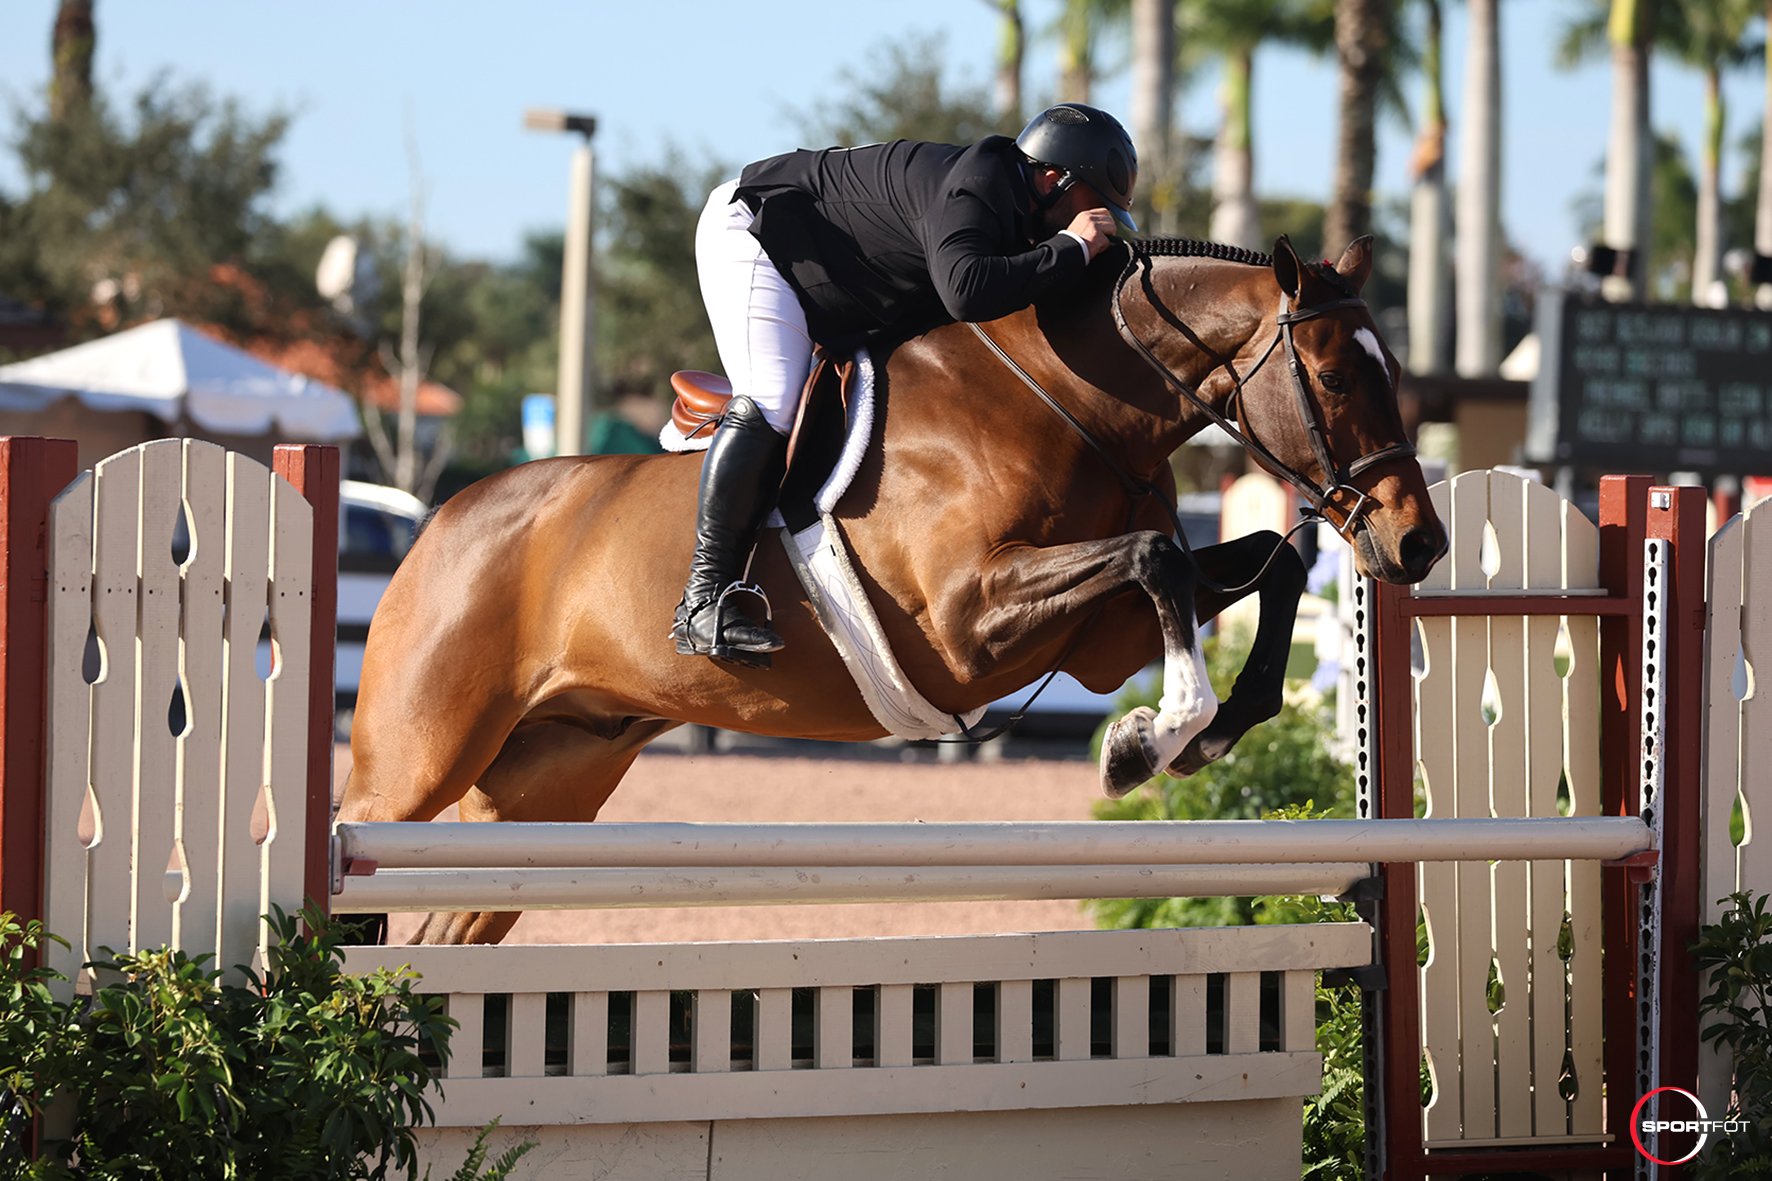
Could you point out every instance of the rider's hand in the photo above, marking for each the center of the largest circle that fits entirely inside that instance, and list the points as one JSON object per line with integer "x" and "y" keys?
{"x": 1096, "y": 227}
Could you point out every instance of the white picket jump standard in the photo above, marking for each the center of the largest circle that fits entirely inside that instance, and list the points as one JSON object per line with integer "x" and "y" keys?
{"x": 982, "y": 843}
{"x": 423, "y": 890}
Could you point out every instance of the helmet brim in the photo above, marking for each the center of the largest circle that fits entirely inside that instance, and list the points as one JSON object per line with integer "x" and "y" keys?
{"x": 1124, "y": 217}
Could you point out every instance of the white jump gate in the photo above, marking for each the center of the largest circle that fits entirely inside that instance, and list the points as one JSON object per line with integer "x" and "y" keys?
{"x": 1085, "y": 1054}
{"x": 149, "y": 832}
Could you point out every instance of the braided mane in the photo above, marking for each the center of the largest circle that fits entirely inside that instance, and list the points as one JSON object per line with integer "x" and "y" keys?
{"x": 1193, "y": 248}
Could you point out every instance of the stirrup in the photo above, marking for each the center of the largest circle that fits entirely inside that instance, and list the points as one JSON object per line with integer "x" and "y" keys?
{"x": 717, "y": 649}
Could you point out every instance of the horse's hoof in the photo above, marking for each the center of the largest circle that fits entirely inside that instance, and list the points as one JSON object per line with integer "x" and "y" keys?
{"x": 1199, "y": 754}
{"x": 1129, "y": 753}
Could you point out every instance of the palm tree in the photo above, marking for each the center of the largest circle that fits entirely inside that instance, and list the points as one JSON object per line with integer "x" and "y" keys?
{"x": 1011, "y": 44}
{"x": 1712, "y": 38}
{"x": 1479, "y": 197}
{"x": 1076, "y": 49}
{"x": 1232, "y": 30}
{"x": 1153, "y": 97}
{"x": 1429, "y": 267}
{"x": 1626, "y": 29}
{"x": 1763, "y": 212}
{"x": 1363, "y": 40}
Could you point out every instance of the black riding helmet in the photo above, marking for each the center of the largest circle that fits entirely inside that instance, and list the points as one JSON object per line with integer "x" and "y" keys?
{"x": 1089, "y": 145}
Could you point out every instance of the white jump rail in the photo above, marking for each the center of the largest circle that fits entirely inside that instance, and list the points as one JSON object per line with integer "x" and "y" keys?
{"x": 394, "y": 867}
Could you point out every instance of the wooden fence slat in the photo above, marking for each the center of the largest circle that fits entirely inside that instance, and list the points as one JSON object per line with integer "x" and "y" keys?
{"x": 111, "y": 913}
{"x": 1242, "y": 1012}
{"x": 1726, "y": 600}
{"x": 1510, "y": 915}
{"x": 1298, "y": 1011}
{"x": 712, "y": 1050}
{"x": 1474, "y": 946}
{"x": 1187, "y": 1015}
{"x": 467, "y": 1047}
{"x": 526, "y": 1043}
{"x": 1437, "y": 885}
{"x": 587, "y": 1049}
{"x": 652, "y": 1032}
{"x": 1581, "y": 766}
{"x": 833, "y": 1038}
{"x": 156, "y": 676}
{"x": 1015, "y": 1021}
{"x": 953, "y": 1023}
{"x": 68, "y": 771}
{"x": 893, "y": 1026}
{"x": 1073, "y": 1007}
{"x": 247, "y": 562}
{"x": 1548, "y": 896}
{"x": 200, "y": 667}
{"x": 1754, "y": 857}
{"x": 1132, "y": 1016}
{"x": 286, "y": 755}
{"x": 775, "y": 1029}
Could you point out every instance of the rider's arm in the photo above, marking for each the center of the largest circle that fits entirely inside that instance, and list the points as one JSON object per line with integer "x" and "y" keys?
{"x": 966, "y": 237}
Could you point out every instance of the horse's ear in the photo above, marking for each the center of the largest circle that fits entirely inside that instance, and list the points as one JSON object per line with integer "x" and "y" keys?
{"x": 1356, "y": 262}
{"x": 1287, "y": 268}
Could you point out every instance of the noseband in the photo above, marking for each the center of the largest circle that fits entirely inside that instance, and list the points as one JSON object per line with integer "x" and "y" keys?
{"x": 1336, "y": 477}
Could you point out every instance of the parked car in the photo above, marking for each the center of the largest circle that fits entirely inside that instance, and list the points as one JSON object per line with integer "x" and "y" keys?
{"x": 376, "y": 526}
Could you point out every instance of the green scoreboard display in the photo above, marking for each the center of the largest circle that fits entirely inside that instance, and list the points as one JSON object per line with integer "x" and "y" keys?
{"x": 1651, "y": 387}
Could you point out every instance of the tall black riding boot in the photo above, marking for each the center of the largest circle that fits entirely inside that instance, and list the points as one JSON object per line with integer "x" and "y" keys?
{"x": 740, "y": 479}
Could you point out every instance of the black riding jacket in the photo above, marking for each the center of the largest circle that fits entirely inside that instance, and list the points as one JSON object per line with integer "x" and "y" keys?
{"x": 904, "y": 233}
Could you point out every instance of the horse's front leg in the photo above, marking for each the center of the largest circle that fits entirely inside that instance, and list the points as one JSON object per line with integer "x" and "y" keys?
{"x": 1257, "y": 695}
{"x": 1034, "y": 594}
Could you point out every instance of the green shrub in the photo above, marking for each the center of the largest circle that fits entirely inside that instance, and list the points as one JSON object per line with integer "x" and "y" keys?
{"x": 308, "y": 1074}
{"x": 1738, "y": 952}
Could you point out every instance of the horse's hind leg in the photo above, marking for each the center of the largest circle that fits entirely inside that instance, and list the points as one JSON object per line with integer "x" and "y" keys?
{"x": 547, "y": 771}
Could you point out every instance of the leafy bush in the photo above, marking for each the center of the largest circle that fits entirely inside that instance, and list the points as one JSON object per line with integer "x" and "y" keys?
{"x": 1738, "y": 952}
{"x": 308, "y": 1074}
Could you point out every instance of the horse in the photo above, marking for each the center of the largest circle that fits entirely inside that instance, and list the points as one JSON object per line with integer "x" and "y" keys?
{"x": 521, "y": 655}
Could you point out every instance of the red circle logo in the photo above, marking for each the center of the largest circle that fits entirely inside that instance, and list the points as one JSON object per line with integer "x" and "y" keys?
{"x": 1636, "y": 1127}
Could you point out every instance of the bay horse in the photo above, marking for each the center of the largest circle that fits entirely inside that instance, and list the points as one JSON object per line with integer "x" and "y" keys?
{"x": 521, "y": 656}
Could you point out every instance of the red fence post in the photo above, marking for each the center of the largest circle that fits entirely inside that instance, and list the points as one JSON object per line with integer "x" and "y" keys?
{"x": 313, "y": 470}
{"x": 1624, "y": 506}
{"x": 1394, "y": 714}
{"x": 32, "y": 472}
{"x": 1679, "y": 517}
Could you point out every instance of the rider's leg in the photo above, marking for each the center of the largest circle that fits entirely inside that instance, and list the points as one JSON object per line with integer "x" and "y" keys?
{"x": 760, "y": 330}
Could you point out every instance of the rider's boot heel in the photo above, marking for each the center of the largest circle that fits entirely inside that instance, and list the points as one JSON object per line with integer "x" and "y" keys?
{"x": 739, "y": 481}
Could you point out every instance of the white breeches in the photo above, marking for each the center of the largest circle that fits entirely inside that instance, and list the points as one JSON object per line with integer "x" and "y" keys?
{"x": 759, "y": 326}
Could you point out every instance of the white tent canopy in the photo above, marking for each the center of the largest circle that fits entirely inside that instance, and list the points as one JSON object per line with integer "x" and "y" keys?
{"x": 170, "y": 370}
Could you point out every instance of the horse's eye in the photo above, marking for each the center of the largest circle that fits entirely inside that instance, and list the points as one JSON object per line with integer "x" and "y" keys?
{"x": 1332, "y": 381}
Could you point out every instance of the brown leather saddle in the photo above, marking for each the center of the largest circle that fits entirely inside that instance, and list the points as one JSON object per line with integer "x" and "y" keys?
{"x": 820, "y": 426}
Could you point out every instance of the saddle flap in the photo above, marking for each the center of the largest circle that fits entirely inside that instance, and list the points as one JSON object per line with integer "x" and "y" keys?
{"x": 701, "y": 400}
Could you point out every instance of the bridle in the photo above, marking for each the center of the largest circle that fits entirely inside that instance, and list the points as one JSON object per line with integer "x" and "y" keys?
{"x": 1336, "y": 477}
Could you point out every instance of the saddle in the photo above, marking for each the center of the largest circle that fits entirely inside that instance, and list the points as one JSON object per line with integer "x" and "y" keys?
{"x": 814, "y": 445}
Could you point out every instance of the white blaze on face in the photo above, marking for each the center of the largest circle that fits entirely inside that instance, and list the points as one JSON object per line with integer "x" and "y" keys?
{"x": 1369, "y": 341}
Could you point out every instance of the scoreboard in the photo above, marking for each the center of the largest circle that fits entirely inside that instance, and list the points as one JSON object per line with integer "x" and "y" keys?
{"x": 1651, "y": 387}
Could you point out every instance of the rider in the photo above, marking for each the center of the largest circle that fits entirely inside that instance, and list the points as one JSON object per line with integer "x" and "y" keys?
{"x": 831, "y": 247}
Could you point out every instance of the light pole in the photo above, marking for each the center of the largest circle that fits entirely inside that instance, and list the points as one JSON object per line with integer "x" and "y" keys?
{"x": 578, "y": 305}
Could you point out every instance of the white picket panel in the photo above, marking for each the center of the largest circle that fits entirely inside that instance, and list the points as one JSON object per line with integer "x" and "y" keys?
{"x": 1497, "y": 730}
{"x": 66, "y": 858}
{"x": 721, "y": 1079}
{"x": 148, "y": 836}
{"x": 1737, "y": 735}
{"x": 200, "y": 669}
{"x": 286, "y": 697}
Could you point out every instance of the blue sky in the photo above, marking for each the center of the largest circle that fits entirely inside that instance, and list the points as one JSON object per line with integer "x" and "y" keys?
{"x": 720, "y": 80}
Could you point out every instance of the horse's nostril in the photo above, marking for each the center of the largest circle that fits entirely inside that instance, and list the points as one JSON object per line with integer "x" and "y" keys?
{"x": 1419, "y": 548}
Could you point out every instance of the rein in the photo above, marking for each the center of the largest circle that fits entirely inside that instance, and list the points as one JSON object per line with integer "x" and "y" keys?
{"x": 1336, "y": 477}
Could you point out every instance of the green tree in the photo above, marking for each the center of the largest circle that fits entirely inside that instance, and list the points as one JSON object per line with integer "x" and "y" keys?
{"x": 127, "y": 216}
{"x": 903, "y": 93}
{"x": 1712, "y": 38}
